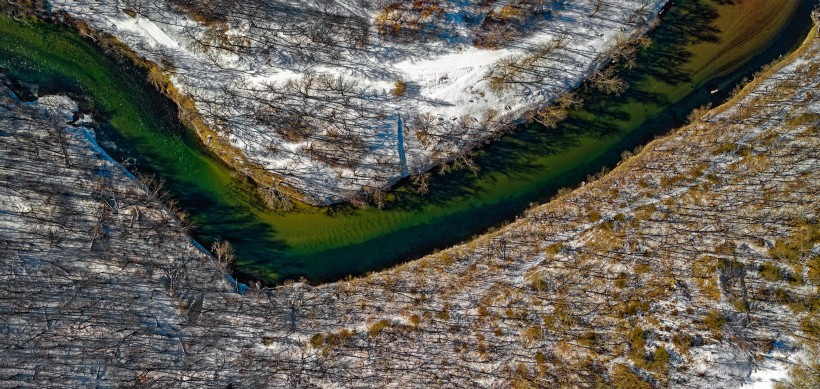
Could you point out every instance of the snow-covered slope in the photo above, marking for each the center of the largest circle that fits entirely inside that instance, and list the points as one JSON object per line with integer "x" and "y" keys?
{"x": 316, "y": 92}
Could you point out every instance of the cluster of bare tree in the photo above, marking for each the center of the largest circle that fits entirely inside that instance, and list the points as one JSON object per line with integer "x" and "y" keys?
{"x": 322, "y": 113}
{"x": 528, "y": 69}
{"x": 512, "y": 19}
{"x": 531, "y": 69}
{"x": 284, "y": 32}
{"x": 405, "y": 18}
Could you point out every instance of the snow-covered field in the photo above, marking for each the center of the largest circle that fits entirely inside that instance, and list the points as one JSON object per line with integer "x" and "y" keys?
{"x": 316, "y": 92}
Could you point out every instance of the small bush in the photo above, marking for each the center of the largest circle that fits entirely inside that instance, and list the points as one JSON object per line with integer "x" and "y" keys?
{"x": 683, "y": 342}
{"x": 443, "y": 314}
{"x": 594, "y": 216}
{"x": 642, "y": 268}
{"x": 806, "y": 118}
{"x": 317, "y": 340}
{"x": 636, "y": 338}
{"x": 400, "y": 88}
{"x": 590, "y": 339}
{"x": 714, "y": 320}
{"x": 660, "y": 360}
{"x": 814, "y": 269}
{"x": 770, "y": 272}
{"x": 622, "y": 281}
{"x": 532, "y": 334}
{"x": 379, "y": 326}
{"x": 339, "y": 338}
{"x": 623, "y": 378}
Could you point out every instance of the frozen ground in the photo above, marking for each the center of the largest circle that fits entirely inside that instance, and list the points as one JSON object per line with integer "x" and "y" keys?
{"x": 692, "y": 264}
{"x": 307, "y": 90}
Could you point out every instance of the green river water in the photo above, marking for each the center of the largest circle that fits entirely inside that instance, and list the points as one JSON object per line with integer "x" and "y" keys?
{"x": 701, "y": 46}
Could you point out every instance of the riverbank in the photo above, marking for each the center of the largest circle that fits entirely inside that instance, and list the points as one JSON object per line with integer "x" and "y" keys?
{"x": 691, "y": 264}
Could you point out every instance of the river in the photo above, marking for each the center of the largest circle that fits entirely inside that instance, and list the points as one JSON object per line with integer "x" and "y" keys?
{"x": 701, "y": 50}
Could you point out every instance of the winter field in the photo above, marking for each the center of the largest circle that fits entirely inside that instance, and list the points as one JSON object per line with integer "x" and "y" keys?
{"x": 338, "y": 98}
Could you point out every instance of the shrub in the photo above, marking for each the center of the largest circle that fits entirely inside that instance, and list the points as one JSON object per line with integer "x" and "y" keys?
{"x": 623, "y": 378}
{"x": 714, "y": 320}
{"x": 660, "y": 360}
{"x": 339, "y": 338}
{"x": 806, "y": 118}
{"x": 770, "y": 272}
{"x": 704, "y": 270}
{"x": 811, "y": 326}
{"x": 379, "y": 326}
{"x": 532, "y": 334}
{"x": 683, "y": 342}
{"x": 594, "y": 216}
{"x": 636, "y": 338}
{"x": 814, "y": 269}
{"x": 642, "y": 268}
{"x": 622, "y": 281}
{"x": 399, "y": 88}
{"x": 317, "y": 340}
{"x": 590, "y": 339}
{"x": 608, "y": 82}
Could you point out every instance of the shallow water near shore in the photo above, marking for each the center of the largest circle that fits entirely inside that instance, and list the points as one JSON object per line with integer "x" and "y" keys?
{"x": 701, "y": 47}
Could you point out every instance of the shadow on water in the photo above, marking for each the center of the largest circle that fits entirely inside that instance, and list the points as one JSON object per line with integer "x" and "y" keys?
{"x": 519, "y": 156}
{"x": 601, "y": 115}
{"x": 525, "y": 167}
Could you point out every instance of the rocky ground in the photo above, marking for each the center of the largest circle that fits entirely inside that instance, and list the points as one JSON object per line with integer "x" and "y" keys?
{"x": 694, "y": 263}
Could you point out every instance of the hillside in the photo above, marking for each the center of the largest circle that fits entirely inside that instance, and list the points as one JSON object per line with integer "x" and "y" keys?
{"x": 694, "y": 263}
{"x": 333, "y": 99}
